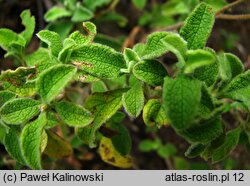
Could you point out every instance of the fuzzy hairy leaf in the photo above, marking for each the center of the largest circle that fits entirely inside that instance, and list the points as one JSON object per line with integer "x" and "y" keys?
{"x": 52, "y": 39}
{"x": 207, "y": 74}
{"x": 7, "y": 36}
{"x": 239, "y": 88}
{"x": 12, "y": 145}
{"x": 18, "y": 81}
{"x": 73, "y": 115}
{"x": 231, "y": 141}
{"x": 207, "y": 103}
{"x": 92, "y": 5}
{"x": 230, "y": 66}
{"x": 19, "y": 110}
{"x": 122, "y": 141}
{"x": 204, "y": 132}
{"x": 98, "y": 86}
{"x": 103, "y": 106}
{"x": 154, "y": 113}
{"x": 29, "y": 22}
{"x": 111, "y": 156}
{"x": 195, "y": 150}
{"x": 81, "y": 14}
{"x": 130, "y": 55}
{"x": 41, "y": 59}
{"x": 6, "y": 96}
{"x": 154, "y": 46}
{"x": 39, "y": 56}
{"x": 98, "y": 60}
{"x": 198, "y": 58}
{"x": 150, "y": 71}
{"x": 133, "y": 100}
{"x": 82, "y": 39}
{"x": 57, "y": 147}
{"x": 181, "y": 97}
{"x": 177, "y": 45}
{"x": 56, "y": 13}
{"x": 53, "y": 80}
{"x": 31, "y": 140}
{"x": 198, "y": 26}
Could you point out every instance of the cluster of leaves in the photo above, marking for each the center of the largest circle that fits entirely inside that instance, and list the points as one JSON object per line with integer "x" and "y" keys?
{"x": 68, "y": 13}
{"x": 166, "y": 14}
{"x": 36, "y": 97}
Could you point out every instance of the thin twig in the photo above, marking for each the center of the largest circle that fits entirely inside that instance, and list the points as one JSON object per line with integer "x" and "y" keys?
{"x": 233, "y": 17}
{"x": 229, "y": 6}
{"x": 129, "y": 42}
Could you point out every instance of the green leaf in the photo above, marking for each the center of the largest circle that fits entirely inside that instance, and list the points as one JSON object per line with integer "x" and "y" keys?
{"x": 29, "y": 22}
{"x": 83, "y": 39}
{"x": 198, "y": 26}
{"x": 12, "y": 145}
{"x": 6, "y": 96}
{"x": 181, "y": 164}
{"x": 52, "y": 120}
{"x": 19, "y": 110}
{"x": 39, "y": 56}
{"x": 175, "y": 8}
{"x": 207, "y": 102}
{"x": 103, "y": 106}
{"x": 3, "y": 132}
{"x": 195, "y": 150}
{"x": 31, "y": 140}
{"x": 122, "y": 141}
{"x": 167, "y": 151}
{"x": 239, "y": 88}
{"x": 154, "y": 46}
{"x": 52, "y": 81}
{"x": 181, "y": 97}
{"x": 98, "y": 86}
{"x": 154, "y": 113}
{"x": 228, "y": 146}
{"x": 113, "y": 16}
{"x": 7, "y": 36}
{"x": 81, "y": 14}
{"x": 203, "y": 132}
{"x": 207, "y": 74}
{"x": 151, "y": 72}
{"x": 93, "y": 5}
{"x": 73, "y": 115}
{"x": 56, "y": 13}
{"x": 41, "y": 59}
{"x": 149, "y": 145}
{"x": 230, "y": 66}
{"x": 140, "y": 4}
{"x": 133, "y": 100}
{"x": 57, "y": 147}
{"x": 62, "y": 27}
{"x": 130, "y": 55}
{"x": 52, "y": 39}
{"x": 177, "y": 45}
{"x": 198, "y": 58}
{"x": 18, "y": 81}
{"x": 99, "y": 60}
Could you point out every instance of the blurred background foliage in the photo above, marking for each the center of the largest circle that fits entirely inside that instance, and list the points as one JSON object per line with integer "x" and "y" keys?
{"x": 122, "y": 23}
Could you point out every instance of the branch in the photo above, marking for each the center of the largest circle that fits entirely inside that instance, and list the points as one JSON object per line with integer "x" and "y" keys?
{"x": 233, "y": 17}
{"x": 229, "y": 6}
